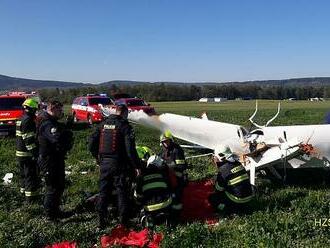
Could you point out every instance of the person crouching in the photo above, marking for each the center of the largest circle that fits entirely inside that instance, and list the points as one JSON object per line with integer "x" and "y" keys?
{"x": 233, "y": 191}
{"x": 153, "y": 192}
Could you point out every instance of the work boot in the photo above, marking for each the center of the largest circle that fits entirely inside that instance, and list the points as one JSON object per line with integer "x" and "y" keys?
{"x": 64, "y": 214}
{"x": 146, "y": 222}
{"x": 123, "y": 220}
{"x": 57, "y": 215}
{"x": 102, "y": 221}
{"x": 51, "y": 217}
{"x": 113, "y": 211}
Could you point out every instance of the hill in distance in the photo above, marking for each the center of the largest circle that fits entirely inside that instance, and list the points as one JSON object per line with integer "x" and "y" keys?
{"x": 14, "y": 83}
{"x": 10, "y": 83}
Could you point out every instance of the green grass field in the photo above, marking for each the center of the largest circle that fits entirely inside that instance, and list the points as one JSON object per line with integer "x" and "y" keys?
{"x": 284, "y": 216}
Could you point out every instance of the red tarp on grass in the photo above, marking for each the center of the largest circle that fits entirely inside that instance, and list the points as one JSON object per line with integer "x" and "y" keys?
{"x": 122, "y": 236}
{"x": 64, "y": 244}
{"x": 195, "y": 202}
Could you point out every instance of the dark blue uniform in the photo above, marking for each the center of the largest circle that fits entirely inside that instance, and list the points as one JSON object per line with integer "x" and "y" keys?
{"x": 153, "y": 193}
{"x": 175, "y": 160}
{"x": 113, "y": 144}
{"x": 232, "y": 188}
{"x": 54, "y": 142}
{"x": 27, "y": 154}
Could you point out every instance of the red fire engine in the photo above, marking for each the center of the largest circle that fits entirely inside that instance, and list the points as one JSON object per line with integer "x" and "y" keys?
{"x": 11, "y": 109}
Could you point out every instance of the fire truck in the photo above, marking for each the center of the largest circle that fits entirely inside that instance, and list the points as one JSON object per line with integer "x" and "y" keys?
{"x": 11, "y": 110}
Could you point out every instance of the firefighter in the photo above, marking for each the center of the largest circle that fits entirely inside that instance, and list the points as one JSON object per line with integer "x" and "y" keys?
{"x": 153, "y": 192}
{"x": 233, "y": 190}
{"x": 27, "y": 150}
{"x": 113, "y": 145}
{"x": 55, "y": 140}
{"x": 174, "y": 157}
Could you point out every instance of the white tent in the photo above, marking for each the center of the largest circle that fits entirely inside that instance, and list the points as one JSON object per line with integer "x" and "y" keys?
{"x": 204, "y": 99}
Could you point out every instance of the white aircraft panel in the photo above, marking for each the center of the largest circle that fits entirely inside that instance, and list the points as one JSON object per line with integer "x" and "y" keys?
{"x": 316, "y": 135}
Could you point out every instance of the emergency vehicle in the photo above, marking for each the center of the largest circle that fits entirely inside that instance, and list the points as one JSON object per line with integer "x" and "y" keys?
{"x": 11, "y": 110}
{"x": 86, "y": 108}
{"x": 136, "y": 104}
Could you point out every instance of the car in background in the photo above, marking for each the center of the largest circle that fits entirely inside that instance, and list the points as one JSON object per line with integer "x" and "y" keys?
{"x": 120, "y": 95}
{"x": 136, "y": 104}
{"x": 11, "y": 110}
{"x": 86, "y": 108}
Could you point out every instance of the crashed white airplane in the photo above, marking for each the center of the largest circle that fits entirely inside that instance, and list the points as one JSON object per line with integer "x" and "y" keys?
{"x": 293, "y": 146}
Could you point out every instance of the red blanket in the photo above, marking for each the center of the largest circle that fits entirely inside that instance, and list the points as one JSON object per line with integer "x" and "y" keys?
{"x": 195, "y": 202}
{"x": 64, "y": 244}
{"x": 122, "y": 236}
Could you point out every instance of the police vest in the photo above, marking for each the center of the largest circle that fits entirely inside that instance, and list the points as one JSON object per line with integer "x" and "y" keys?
{"x": 112, "y": 141}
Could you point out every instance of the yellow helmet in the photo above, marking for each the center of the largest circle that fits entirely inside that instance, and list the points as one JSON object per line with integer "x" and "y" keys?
{"x": 166, "y": 136}
{"x": 31, "y": 103}
{"x": 143, "y": 152}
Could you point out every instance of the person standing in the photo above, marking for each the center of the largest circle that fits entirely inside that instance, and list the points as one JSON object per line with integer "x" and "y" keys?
{"x": 27, "y": 150}
{"x": 113, "y": 145}
{"x": 55, "y": 140}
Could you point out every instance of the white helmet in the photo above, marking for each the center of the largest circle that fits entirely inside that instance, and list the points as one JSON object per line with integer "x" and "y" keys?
{"x": 222, "y": 152}
{"x": 155, "y": 160}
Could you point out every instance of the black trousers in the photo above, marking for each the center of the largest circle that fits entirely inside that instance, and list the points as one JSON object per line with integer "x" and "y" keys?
{"x": 54, "y": 171}
{"x": 177, "y": 199}
{"x": 113, "y": 178}
{"x": 221, "y": 203}
{"x": 29, "y": 177}
{"x": 179, "y": 188}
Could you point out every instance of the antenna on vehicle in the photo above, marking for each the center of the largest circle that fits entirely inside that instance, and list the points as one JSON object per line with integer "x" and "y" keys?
{"x": 268, "y": 122}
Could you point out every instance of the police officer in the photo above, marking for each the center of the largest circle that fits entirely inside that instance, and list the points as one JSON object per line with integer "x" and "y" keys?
{"x": 54, "y": 143}
{"x": 153, "y": 192}
{"x": 174, "y": 157}
{"x": 233, "y": 190}
{"x": 113, "y": 145}
{"x": 27, "y": 150}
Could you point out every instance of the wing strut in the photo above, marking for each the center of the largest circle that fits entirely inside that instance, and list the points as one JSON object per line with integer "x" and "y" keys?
{"x": 268, "y": 122}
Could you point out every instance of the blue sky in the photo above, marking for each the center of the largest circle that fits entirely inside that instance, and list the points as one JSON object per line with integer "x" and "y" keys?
{"x": 164, "y": 40}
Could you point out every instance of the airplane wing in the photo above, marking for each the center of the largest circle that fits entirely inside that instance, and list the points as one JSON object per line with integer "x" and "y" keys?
{"x": 203, "y": 132}
{"x": 282, "y": 142}
{"x": 316, "y": 135}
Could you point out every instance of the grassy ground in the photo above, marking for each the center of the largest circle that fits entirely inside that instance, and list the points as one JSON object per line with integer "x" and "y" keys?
{"x": 283, "y": 217}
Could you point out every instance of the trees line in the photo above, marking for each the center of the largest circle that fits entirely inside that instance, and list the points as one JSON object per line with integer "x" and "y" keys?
{"x": 167, "y": 92}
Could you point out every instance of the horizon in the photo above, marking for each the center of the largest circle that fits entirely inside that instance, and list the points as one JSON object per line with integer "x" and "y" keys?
{"x": 162, "y": 81}
{"x": 155, "y": 41}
